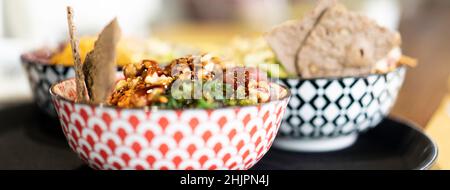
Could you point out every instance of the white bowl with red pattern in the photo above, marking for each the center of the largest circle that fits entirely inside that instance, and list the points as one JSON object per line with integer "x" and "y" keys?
{"x": 106, "y": 137}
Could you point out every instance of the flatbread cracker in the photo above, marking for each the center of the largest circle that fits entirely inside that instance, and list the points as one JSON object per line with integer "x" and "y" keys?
{"x": 100, "y": 65}
{"x": 79, "y": 76}
{"x": 345, "y": 43}
{"x": 286, "y": 39}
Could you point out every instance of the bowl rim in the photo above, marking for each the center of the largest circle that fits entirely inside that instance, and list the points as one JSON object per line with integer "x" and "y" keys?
{"x": 154, "y": 108}
{"x": 27, "y": 58}
{"x": 341, "y": 77}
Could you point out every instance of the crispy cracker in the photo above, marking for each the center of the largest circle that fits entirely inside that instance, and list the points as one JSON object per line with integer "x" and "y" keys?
{"x": 286, "y": 39}
{"x": 79, "y": 76}
{"x": 345, "y": 43}
{"x": 100, "y": 65}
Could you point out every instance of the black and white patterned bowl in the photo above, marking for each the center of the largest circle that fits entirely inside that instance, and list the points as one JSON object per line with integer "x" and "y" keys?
{"x": 42, "y": 74}
{"x": 328, "y": 114}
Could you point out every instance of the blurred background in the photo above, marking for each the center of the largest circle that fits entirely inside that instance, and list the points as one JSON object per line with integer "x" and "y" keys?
{"x": 27, "y": 24}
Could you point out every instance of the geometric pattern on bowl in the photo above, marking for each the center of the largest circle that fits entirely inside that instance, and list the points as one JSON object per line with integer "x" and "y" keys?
{"x": 41, "y": 77}
{"x": 111, "y": 138}
{"x": 321, "y": 108}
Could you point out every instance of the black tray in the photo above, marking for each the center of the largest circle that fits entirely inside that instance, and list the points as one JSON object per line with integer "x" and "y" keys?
{"x": 393, "y": 145}
{"x": 31, "y": 140}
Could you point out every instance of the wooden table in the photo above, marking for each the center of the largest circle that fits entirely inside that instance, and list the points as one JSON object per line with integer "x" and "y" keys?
{"x": 438, "y": 129}
{"x": 426, "y": 37}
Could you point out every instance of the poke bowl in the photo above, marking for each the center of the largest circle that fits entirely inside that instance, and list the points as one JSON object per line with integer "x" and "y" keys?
{"x": 327, "y": 114}
{"x": 345, "y": 71}
{"x": 157, "y": 138}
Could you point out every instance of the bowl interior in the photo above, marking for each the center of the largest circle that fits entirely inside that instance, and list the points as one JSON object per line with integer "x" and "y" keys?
{"x": 65, "y": 89}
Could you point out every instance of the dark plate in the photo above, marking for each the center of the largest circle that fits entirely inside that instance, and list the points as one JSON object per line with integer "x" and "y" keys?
{"x": 31, "y": 140}
{"x": 393, "y": 145}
